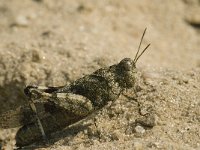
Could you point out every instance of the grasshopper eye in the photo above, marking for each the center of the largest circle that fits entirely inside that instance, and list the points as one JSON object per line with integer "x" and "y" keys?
{"x": 127, "y": 64}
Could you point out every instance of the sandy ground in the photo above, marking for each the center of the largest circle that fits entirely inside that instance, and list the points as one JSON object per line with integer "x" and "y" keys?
{"x": 46, "y": 42}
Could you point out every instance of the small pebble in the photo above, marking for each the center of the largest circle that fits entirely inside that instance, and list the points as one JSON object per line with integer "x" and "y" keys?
{"x": 139, "y": 129}
{"x": 21, "y": 21}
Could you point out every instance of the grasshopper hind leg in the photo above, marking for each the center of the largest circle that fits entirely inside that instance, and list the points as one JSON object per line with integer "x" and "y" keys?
{"x": 32, "y": 105}
{"x": 28, "y": 90}
{"x": 38, "y": 125}
{"x": 72, "y": 103}
{"x": 64, "y": 109}
{"x": 57, "y": 120}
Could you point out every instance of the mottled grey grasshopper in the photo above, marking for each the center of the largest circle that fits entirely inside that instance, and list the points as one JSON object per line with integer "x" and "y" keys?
{"x": 69, "y": 104}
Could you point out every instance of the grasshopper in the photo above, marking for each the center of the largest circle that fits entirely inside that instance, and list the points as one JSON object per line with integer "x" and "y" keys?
{"x": 69, "y": 104}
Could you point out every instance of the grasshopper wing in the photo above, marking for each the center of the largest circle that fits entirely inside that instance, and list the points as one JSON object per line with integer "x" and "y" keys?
{"x": 21, "y": 116}
{"x": 12, "y": 118}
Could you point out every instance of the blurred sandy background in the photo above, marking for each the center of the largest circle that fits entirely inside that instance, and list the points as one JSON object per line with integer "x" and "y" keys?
{"x": 51, "y": 43}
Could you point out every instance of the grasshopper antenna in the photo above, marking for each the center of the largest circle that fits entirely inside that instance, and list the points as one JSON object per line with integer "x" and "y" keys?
{"x": 142, "y": 53}
{"x": 136, "y": 56}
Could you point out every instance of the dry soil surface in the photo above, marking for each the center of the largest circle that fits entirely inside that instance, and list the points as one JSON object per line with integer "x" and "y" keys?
{"x": 48, "y": 42}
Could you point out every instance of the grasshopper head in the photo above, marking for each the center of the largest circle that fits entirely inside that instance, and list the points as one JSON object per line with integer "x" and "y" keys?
{"x": 126, "y": 69}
